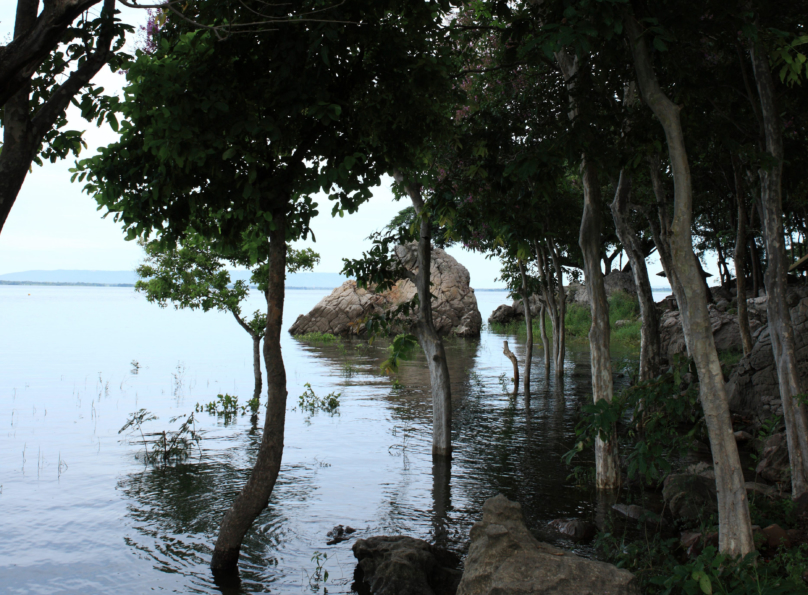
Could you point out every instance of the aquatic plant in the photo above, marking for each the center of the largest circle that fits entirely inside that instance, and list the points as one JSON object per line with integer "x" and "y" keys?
{"x": 312, "y": 404}
{"x": 317, "y": 338}
{"x": 168, "y": 445}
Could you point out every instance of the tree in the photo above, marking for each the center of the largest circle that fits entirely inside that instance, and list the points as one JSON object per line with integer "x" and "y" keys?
{"x": 735, "y": 530}
{"x": 192, "y": 275}
{"x": 50, "y": 63}
{"x": 208, "y": 145}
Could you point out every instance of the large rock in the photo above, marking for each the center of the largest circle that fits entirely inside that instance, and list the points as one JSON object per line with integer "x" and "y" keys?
{"x": 504, "y": 314}
{"x": 613, "y": 282}
{"x": 400, "y": 565}
{"x": 690, "y": 496}
{"x": 726, "y": 332}
{"x": 753, "y": 388}
{"x": 773, "y": 465}
{"x": 505, "y": 559}
{"x": 454, "y": 308}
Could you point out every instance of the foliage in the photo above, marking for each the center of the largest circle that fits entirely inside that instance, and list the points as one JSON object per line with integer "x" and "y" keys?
{"x": 663, "y": 420}
{"x": 316, "y": 337}
{"x": 312, "y": 404}
{"x": 658, "y": 564}
{"x": 402, "y": 348}
{"x": 166, "y": 446}
{"x": 227, "y": 406}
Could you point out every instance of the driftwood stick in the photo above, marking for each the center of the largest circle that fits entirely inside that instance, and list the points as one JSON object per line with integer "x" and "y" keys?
{"x": 509, "y": 354}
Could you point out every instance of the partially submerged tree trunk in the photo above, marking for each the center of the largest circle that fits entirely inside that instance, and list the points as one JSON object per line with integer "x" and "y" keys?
{"x": 529, "y": 327}
{"x": 543, "y": 332}
{"x": 428, "y": 338}
{"x": 555, "y": 304}
{"x": 734, "y": 525}
{"x": 780, "y": 327}
{"x": 23, "y": 131}
{"x": 510, "y": 355}
{"x": 254, "y": 496}
{"x": 256, "y": 339}
{"x": 740, "y": 261}
{"x": 650, "y": 342}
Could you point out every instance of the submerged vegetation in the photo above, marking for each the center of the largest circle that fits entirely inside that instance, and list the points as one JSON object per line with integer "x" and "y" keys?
{"x": 623, "y": 309}
{"x": 166, "y": 446}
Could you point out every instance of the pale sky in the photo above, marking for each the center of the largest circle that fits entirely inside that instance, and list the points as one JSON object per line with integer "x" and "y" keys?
{"x": 54, "y": 225}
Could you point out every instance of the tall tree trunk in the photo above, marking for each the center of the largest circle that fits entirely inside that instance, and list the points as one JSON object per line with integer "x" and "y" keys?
{"x": 428, "y": 338}
{"x": 734, "y": 525}
{"x": 23, "y": 131}
{"x": 543, "y": 332}
{"x": 529, "y": 325}
{"x": 650, "y": 342}
{"x": 254, "y": 497}
{"x": 561, "y": 348}
{"x": 740, "y": 260}
{"x": 780, "y": 327}
{"x": 557, "y": 306}
{"x": 607, "y": 461}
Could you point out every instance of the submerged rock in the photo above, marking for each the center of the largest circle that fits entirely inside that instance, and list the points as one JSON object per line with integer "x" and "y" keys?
{"x": 401, "y": 565}
{"x": 505, "y": 559}
{"x": 454, "y": 308}
{"x": 574, "y": 529}
{"x": 339, "y": 534}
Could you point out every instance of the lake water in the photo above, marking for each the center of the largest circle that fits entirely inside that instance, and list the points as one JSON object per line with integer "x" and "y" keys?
{"x": 81, "y": 513}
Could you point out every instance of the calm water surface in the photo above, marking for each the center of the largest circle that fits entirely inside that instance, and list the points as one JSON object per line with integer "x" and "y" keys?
{"x": 81, "y": 513}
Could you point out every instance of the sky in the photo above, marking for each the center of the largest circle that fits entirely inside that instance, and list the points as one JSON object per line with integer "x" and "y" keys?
{"x": 54, "y": 225}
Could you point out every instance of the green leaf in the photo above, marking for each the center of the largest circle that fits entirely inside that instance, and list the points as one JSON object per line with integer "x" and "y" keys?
{"x": 659, "y": 44}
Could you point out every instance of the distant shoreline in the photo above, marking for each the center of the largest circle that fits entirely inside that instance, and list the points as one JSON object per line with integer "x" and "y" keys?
{"x": 80, "y": 284}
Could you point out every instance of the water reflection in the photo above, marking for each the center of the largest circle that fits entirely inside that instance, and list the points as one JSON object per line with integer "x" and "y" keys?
{"x": 127, "y": 528}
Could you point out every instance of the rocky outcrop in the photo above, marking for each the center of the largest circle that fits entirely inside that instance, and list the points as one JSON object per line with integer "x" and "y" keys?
{"x": 454, "y": 308}
{"x": 773, "y": 465}
{"x": 400, "y": 565}
{"x": 753, "y": 387}
{"x": 505, "y": 559}
{"x": 726, "y": 332}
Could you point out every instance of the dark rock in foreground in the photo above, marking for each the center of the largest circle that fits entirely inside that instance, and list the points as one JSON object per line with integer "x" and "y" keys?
{"x": 505, "y": 559}
{"x": 400, "y": 565}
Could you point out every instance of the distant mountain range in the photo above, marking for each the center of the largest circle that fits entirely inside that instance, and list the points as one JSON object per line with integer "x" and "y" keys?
{"x": 128, "y": 278}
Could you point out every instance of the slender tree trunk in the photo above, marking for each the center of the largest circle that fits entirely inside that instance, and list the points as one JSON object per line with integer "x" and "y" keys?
{"x": 734, "y": 525}
{"x": 257, "y": 367}
{"x": 556, "y": 307}
{"x": 740, "y": 261}
{"x": 561, "y": 310}
{"x": 510, "y": 355}
{"x": 428, "y": 338}
{"x": 529, "y": 325}
{"x": 650, "y": 342}
{"x": 254, "y": 497}
{"x": 780, "y": 327}
{"x": 543, "y": 331}
{"x": 23, "y": 131}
